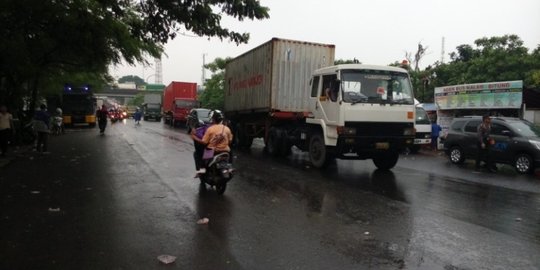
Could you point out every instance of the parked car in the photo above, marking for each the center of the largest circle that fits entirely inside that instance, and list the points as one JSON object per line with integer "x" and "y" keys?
{"x": 197, "y": 117}
{"x": 517, "y": 142}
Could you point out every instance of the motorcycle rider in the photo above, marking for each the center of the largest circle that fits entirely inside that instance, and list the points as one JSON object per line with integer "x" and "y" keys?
{"x": 101, "y": 115}
{"x": 217, "y": 137}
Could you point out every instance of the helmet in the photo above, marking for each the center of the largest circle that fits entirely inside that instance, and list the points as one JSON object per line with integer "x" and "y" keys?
{"x": 216, "y": 115}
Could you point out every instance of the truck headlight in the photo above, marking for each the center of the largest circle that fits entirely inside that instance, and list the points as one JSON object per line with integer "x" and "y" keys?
{"x": 409, "y": 132}
{"x": 346, "y": 130}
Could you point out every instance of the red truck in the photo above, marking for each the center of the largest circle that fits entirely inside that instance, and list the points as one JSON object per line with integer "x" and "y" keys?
{"x": 178, "y": 99}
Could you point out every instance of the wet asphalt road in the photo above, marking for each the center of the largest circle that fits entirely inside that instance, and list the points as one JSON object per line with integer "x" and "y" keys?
{"x": 120, "y": 200}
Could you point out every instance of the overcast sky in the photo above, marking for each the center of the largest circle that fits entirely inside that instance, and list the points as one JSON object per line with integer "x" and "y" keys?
{"x": 375, "y": 32}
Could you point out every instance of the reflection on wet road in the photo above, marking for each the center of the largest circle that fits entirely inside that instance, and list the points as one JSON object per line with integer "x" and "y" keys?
{"x": 284, "y": 214}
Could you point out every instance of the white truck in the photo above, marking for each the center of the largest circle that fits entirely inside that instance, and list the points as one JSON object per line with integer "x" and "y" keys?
{"x": 422, "y": 126}
{"x": 289, "y": 93}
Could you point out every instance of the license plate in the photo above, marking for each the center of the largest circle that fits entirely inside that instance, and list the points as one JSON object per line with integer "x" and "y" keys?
{"x": 422, "y": 141}
{"x": 382, "y": 145}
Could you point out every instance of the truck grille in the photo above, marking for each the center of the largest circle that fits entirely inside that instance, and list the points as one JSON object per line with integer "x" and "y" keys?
{"x": 370, "y": 129}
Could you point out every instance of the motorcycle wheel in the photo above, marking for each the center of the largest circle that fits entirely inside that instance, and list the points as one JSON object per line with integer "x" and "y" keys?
{"x": 220, "y": 189}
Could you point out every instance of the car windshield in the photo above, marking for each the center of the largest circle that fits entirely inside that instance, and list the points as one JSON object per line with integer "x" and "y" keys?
{"x": 422, "y": 117}
{"x": 203, "y": 114}
{"x": 525, "y": 128}
{"x": 376, "y": 86}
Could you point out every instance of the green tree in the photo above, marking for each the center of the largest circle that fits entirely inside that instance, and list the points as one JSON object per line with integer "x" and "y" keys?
{"x": 46, "y": 39}
{"x": 491, "y": 59}
{"x": 214, "y": 88}
{"x": 348, "y": 61}
{"x": 137, "y": 100}
{"x": 132, "y": 78}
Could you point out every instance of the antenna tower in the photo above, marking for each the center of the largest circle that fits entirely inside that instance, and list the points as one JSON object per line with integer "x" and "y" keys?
{"x": 442, "y": 51}
{"x": 159, "y": 71}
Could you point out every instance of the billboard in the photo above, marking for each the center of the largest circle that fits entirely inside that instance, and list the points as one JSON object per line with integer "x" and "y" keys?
{"x": 492, "y": 95}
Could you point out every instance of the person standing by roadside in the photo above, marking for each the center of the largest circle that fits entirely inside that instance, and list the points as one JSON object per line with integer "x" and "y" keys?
{"x": 435, "y": 131}
{"x": 42, "y": 120}
{"x": 6, "y": 129}
{"x": 484, "y": 144}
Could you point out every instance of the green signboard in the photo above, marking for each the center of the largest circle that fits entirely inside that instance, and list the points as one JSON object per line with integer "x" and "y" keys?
{"x": 493, "y": 95}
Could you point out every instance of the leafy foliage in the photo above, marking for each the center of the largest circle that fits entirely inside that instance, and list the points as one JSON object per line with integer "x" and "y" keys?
{"x": 58, "y": 39}
{"x": 137, "y": 100}
{"x": 214, "y": 88}
{"x": 132, "y": 78}
{"x": 493, "y": 59}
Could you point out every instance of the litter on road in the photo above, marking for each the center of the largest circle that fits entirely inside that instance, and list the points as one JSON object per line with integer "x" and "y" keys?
{"x": 203, "y": 221}
{"x": 166, "y": 259}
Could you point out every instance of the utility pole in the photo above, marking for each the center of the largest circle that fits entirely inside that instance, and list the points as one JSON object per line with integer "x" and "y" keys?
{"x": 203, "y": 79}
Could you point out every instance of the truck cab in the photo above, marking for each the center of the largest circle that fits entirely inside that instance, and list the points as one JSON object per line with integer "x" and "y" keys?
{"x": 422, "y": 125}
{"x": 362, "y": 112}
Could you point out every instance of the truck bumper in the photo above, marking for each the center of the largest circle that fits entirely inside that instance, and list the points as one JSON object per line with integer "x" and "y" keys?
{"x": 367, "y": 147}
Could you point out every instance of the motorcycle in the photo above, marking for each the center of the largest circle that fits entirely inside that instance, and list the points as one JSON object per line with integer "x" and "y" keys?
{"x": 218, "y": 172}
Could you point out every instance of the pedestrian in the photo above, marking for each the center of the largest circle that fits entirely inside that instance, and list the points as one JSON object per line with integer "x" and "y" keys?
{"x": 101, "y": 116}
{"x": 484, "y": 142}
{"x": 42, "y": 120}
{"x": 137, "y": 116}
{"x": 6, "y": 129}
{"x": 435, "y": 131}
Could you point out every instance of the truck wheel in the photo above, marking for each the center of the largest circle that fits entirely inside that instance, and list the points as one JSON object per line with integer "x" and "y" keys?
{"x": 273, "y": 142}
{"x": 318, "y": 153}
{"x": 386, "y": 161}
{"x": 241, "y": 140}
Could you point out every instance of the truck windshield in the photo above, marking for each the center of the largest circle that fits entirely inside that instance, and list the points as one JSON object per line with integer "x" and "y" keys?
{"x": 153, "y": 106}
{"x": 422, "y": 117}
{"x": 376, "y": 86}
{"x": 73, "y": 103}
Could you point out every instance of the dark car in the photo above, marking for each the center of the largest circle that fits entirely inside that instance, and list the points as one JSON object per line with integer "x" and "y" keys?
{"x": 517, "y": 142}
{"x": 197, "y": 117}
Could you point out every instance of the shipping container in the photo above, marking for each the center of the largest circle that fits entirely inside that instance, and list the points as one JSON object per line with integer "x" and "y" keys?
{"x": 274, "y": 76}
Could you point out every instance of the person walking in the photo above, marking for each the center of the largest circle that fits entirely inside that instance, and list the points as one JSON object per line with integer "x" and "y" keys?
{"x": 6, "y": 129}
{"x": 484, "y": 144}
{"x": 101, "y": 115}
{"x": 137, "y": 116}
{"x": 42, "y": 120}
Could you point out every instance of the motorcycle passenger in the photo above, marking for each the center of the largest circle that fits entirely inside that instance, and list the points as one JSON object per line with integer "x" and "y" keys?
{"x": 217, "y": 137}
{"x": 101, "y": 115}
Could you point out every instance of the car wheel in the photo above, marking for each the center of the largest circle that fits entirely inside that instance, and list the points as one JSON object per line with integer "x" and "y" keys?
{"x": 456, "y": 155}
{"x": 523, "y": 163}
